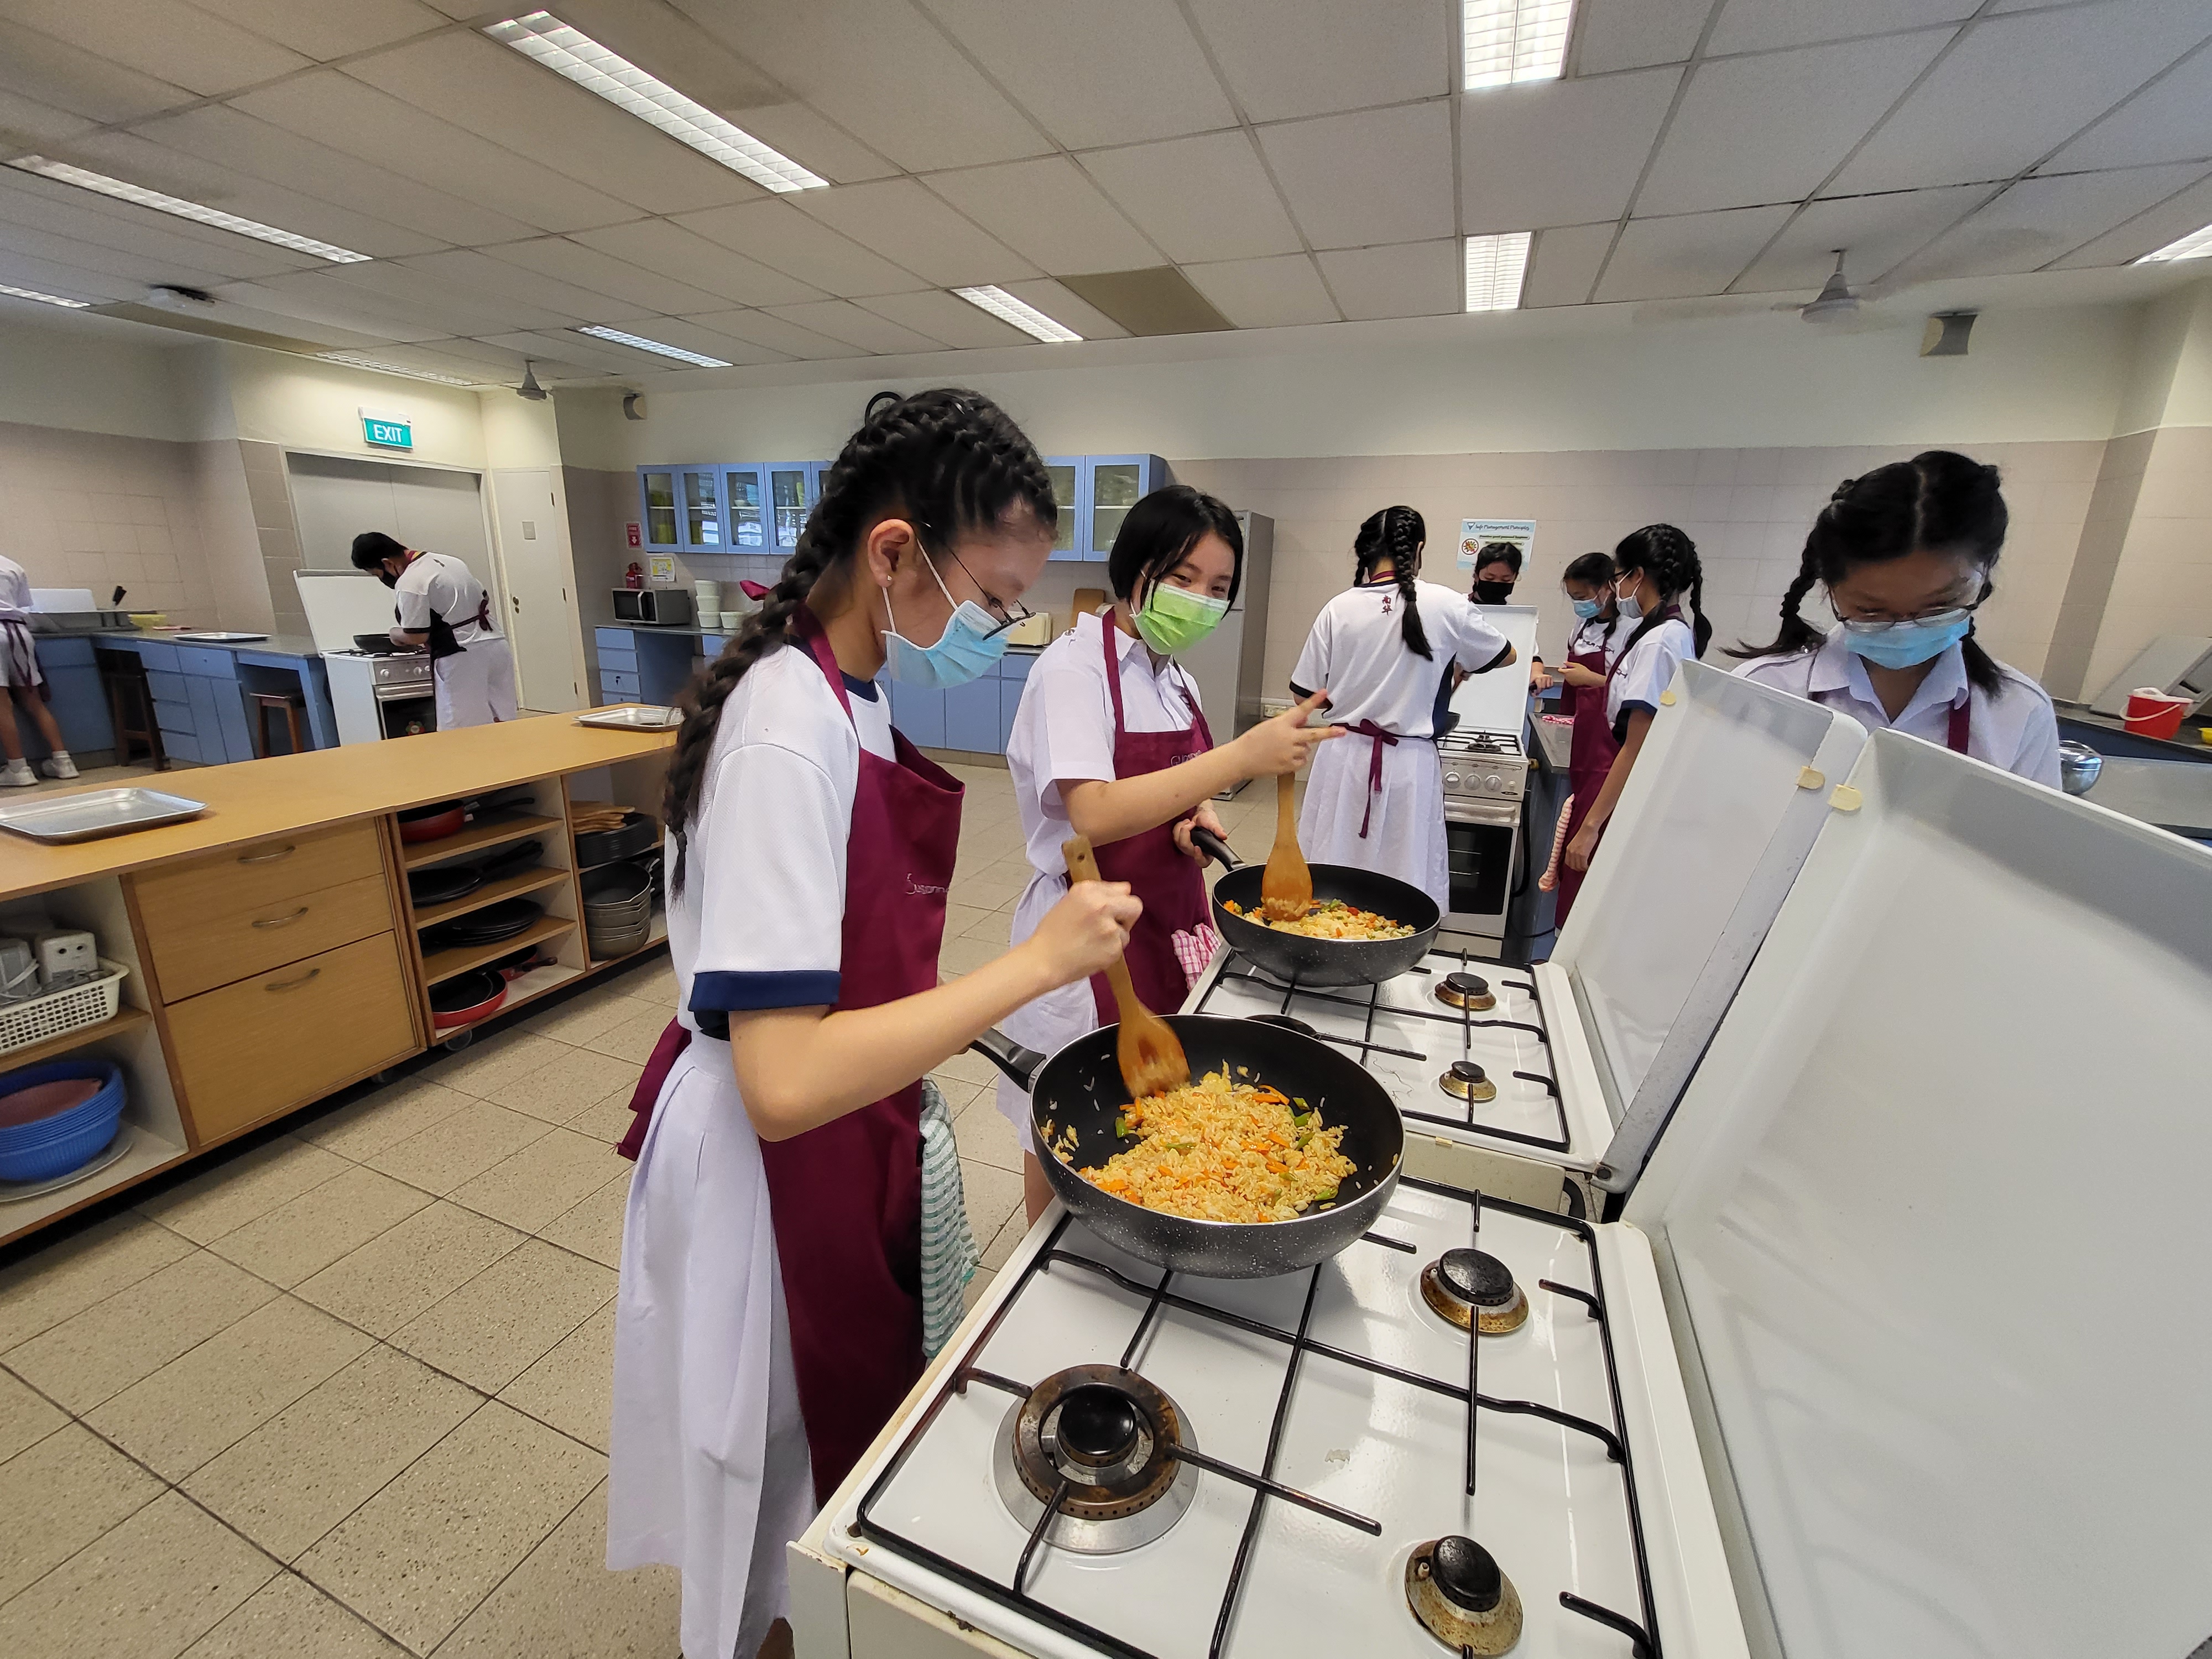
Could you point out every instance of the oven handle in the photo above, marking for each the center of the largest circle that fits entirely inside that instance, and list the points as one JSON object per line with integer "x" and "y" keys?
{"x": 1494, "y": 815}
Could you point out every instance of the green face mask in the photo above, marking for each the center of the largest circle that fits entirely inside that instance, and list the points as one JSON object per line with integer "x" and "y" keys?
{"x": 1175, "y": 618}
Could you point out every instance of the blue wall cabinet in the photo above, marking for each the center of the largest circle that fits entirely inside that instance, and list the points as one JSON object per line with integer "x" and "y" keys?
{"x": 656, "y": 509}
{"x": 680, "y": 509}
{"x": 1112, "y": 484}
{"x": 792, "y": 487}
{"x": 749, "y": 509}
{"x": 1067, "y": 474}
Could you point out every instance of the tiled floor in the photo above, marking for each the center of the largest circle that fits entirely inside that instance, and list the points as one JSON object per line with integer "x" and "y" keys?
{"x": 345, "y": 1393}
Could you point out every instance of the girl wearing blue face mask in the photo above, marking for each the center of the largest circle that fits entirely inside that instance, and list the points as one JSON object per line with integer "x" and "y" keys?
{"x": 1906, "y": 555}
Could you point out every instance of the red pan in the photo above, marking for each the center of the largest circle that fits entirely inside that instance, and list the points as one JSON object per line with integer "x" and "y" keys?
{"x": 466, "y": 998}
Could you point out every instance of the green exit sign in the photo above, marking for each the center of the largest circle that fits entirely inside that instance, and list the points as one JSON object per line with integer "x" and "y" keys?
{"x": 387, "y": 431}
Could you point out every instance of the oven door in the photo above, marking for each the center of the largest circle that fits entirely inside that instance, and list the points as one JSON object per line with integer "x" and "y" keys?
{"x": 404, "y": 711}
{"x": 1482, "y": 843}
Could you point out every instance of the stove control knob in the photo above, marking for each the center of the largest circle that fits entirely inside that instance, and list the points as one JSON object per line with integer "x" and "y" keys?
{"x": 1451, "y": 780}
{"x": 1493, "y": 781}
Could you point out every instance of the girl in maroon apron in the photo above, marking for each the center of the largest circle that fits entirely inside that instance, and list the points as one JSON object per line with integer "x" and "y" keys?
{"x": 1589, "y": 582}
{"x": 771, "y": 1251}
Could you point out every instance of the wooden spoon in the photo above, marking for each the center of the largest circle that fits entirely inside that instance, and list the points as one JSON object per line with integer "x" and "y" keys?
{"x": 1148, "y": 1051}
{"x": 1286, "y": 884}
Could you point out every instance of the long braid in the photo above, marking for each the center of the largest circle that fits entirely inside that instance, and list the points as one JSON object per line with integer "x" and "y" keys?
{"x": 1397, "y": 533}
{"x": 1670, "y": 557}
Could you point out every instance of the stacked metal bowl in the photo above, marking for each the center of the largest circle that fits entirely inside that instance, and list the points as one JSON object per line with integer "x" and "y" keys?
{"x": 617, "y": 908}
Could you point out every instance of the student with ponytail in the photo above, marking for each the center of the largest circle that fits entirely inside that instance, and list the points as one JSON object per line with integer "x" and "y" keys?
{"x": 1656, "y": 570}
{"x": 770, "y": 1317}
{"x": 1382, "y": 648}
{"x": 1594, "y": 645}
{"x": 1905, "y": 555}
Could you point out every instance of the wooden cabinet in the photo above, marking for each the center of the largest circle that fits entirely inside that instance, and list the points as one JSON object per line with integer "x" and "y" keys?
{"x": 253, "y": 939}
{"x": 279, "y": 1039}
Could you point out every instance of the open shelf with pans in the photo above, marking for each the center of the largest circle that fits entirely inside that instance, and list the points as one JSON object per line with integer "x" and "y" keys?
{"x": 506, "y": 887}
{"x": 522, "y": 988}
{"x": 479, "y": 837}
{"x": 657, "y": 934}
{"x": 441, "y": 965}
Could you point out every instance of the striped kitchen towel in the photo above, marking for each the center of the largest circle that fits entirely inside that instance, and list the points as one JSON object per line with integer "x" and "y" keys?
{"x": 949, "y": 1255}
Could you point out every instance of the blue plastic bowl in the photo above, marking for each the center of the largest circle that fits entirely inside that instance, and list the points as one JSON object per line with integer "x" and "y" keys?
{"x": 54, "y": 1145}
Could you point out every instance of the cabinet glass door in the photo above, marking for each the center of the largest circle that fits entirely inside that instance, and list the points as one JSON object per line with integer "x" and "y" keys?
{"x": 702, "y": 513}
{"x": 789, "y": 497}
{"x": 748, "y": 511}
{"x": 659, "y": 489}
{"x": 1115, "y": 486}
{"x": 1065, "y": 475}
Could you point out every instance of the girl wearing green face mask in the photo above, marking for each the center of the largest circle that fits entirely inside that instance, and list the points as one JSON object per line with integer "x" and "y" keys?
{"x": 1110, "y": 741}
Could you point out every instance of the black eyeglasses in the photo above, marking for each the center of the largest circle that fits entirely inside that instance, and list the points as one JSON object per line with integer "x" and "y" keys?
{"x": 1009, "y": 612}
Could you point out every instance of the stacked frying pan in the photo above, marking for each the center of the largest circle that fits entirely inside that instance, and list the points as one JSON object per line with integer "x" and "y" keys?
{"x": 617, "y": 908}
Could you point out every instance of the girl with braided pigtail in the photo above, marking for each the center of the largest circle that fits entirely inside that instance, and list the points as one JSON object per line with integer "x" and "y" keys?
{"x": 783, "y": 1242}
{"x": 1906, "y": 554}
{"x": 1385, "y": 648}
{"x": 1656, "y": 570}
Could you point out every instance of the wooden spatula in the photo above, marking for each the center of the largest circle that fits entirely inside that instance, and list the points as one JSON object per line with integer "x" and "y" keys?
{"x": 1286, "y": 884}
{"x": 1148, "y": 1050}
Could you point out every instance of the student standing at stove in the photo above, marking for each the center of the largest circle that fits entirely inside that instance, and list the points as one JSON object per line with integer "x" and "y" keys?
{"x": 1656, "y": 570}
{"x": 1905, "y": 555}
{"x": 770, "y": 1318}
{"x": 1110, "y": 741}
{"x": 1379, "y": 648}
{"x": 1592, "y": 647}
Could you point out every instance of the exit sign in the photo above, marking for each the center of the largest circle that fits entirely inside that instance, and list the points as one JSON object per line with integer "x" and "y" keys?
{"x": 387, "y": 431}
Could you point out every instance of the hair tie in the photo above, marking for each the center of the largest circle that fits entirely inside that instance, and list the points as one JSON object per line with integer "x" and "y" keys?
{"x": 1842, "y": 490}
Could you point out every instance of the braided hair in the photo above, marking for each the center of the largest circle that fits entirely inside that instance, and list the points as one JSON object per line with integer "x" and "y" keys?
{"x": 1396, "y": 533}
{"x": 1939, "y": 500}
{"x": 945, "y": 460}
{"x": 1670, "y": 558}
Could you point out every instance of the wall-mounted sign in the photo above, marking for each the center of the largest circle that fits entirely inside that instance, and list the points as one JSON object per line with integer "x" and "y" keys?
{"x": 1477, "y": 536}
{"x": 661, "y": 570}
{"x": 386, "y": 431}
{"x": 634, "y": 538}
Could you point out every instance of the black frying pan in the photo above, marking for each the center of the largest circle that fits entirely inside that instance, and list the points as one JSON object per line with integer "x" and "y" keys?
{"x": 444, "y": 882}
{"x": 1080, "y": 1088}
{"x": 1292, "y": 957}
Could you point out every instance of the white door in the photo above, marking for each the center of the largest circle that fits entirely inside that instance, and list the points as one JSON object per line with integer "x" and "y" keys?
{"x": 541, "y": 614}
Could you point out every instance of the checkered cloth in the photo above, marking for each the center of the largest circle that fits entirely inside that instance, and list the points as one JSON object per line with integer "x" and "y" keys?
{"x": 949, "y": 1255}
{"x": 1194, "y": 949}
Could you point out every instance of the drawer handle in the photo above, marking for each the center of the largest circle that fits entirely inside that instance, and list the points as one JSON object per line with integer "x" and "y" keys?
{"x": 283, "y": 921}
{"x": 283, "y": 852}
{"x": 293, "y": 984}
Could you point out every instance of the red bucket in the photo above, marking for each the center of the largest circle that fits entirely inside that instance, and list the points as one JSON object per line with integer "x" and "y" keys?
{"x": 2152, "y": 714}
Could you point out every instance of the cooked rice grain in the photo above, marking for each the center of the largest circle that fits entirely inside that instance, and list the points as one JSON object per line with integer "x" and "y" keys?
{"x": 1218, "y": 1151}
{"x": 1329, "y": 919}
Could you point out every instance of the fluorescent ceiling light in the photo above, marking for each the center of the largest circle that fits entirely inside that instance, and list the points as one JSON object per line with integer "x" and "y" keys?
{"x": 65, "y": 173}
{"x": 1507, "y": 42}
{"x": 45, "y": 299}
{"x": 2194, "y": 245}
{"x": 1494, "y": 269}
{"x": 355, "y": 360}
{"x": 643, "y": 344}
{"x": 570, "y": 51}
{"x": 1007, "y": 309}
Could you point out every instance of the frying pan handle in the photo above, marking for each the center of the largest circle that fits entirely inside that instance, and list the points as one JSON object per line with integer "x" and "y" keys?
{"x": 1214, "y": 847}
{"x": 1021, "y": 1065}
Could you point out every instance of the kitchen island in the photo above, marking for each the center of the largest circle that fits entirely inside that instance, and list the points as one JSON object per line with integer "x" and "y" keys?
{"x": 275, "y": 954}
{"x": 198, "y": 688}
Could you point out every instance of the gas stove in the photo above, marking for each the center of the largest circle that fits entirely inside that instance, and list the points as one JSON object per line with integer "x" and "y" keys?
{"x": 1483, "y": 766}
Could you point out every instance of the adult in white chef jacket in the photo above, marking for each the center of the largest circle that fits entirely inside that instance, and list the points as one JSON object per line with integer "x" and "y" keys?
{"x": 1656, "y": 575}
{"x": 812, "y": 848}
{"x": 444, "y": 608}
{"x": 1377, "y": 802}
{"x": 1906, "y": 555}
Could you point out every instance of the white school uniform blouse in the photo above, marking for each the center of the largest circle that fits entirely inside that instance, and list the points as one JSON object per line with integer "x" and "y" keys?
{"x": 1593, "y": 632}
{"x": 1643, "y": 672}
{"x": 435, "y": 584}
{"x": 2016, "y": 729}
{"x": 1357, "y": 652}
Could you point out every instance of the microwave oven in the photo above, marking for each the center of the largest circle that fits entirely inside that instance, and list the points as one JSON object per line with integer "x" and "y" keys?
{"x": 652, "y": 607}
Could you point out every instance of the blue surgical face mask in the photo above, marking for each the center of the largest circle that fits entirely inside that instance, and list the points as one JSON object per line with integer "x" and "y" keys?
{"x": 1631, "y": 607}
{"x": 1908, "y": 644}
{"x": 1587, "y": 608}
{"x": 969, "y": 647}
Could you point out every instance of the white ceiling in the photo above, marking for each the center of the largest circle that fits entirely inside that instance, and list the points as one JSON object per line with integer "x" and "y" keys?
{"x": 1304, "y": 161}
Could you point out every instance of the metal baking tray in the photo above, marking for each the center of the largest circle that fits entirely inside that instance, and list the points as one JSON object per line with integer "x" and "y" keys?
{"x": 649, "y": 717}
{"x": 97, "y": 812}
{"x": 217, "y": 637}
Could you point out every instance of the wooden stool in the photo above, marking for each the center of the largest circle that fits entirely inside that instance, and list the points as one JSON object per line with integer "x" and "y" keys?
{"x": 130, "y": 705}
{"x": 295, "y": 721}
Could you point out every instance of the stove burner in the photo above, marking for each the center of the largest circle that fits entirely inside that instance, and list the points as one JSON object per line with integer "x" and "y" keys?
{"x": 1467, "y": 991}
{"x": 1287, "y": 1023}
{"x": 1467, "y": 1081}
{"x": 1457, "y": 1590}
{"x": 1108, "y": 1433}
{"x": 1468, "y": 1286}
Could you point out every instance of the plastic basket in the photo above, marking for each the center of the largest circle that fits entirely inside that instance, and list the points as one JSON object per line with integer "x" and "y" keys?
{"x": 58, "y": 1012}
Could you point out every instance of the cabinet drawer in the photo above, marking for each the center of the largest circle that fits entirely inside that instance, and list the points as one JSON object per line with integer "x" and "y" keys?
{"x": 155, "y": 653}
{"x": 174, "y": 716}
{"x": 222, "y": 948}
{"x": 619, "y": 685}
{"x": 210, "y": 664}
{"x": 165, "y": 687}
{"x": 182, "y": 746}
{"x": 620, "y": 662}
{"x": 614, "y": 639}
{"x": 279, "y": 1040}
{"x": 250, "y": 883}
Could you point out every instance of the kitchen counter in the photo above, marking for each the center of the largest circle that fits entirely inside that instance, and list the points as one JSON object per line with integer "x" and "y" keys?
{"x": 2108, "y": 735}
{"x": 277, "y": 645}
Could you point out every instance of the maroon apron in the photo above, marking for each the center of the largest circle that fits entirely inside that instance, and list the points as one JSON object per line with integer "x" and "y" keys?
{"x": 1588, "y": 759}
{"x": 1382, "y": 740}
{"x": 1171, "y": 883}
{"x": 1962, "y": 724}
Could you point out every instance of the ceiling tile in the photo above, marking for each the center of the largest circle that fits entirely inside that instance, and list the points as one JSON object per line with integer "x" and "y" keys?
{"x": 1094, "y": 75}
{"x": 1563, "y": 263}
{"x": 779, "y": 236}
{"x": 902, "y": 222}
{"x": 791, "y": 339}
{"x": 133, "y": 271}
{"x": 499, "y": 94}
{"x": 2016, "y": 87}
{"x": 813, "y": 140}
{"x": 1618, "y": 34}
{"x": 28, "y": 120}
{"x": 1198, "y": 198}
{"x": 42, "y": 204}
{"x": 72, "y": 282}
{"x": 1763, "y": 24}
{"x": 1696, "y": 253}
{"x": 1559, "y": 152}
{"x": 664, "y": 42}
{"x": 670, "y": 250}
{"x": 842, "y": 319}
{"x": 1049, "y": 211}
{"x": 1067, "y": 309}
{"x": 618, "y": 278}
{"x": 468, "y": 270}
{"x": 1274, "y": 293}
{"x": 1874, "y": 232}
{"x": 881, "y": 70}
{"x": 310, "y": 297}
{"x": 83, "y": 82}
{"x": 1284, "y": 58}
{"x": 1381, "y": 175}
{"x": 1771, "y": 128}
{"x": 372, "y": 125}
{"x": 945, "y": 317}
{"x": 2170, "y": 120}
{"x": 458, "y": 309}
{"x": 688, "y": 333}
{"x": 598, "y": 355}
{"x": 165, "y": 39}
{"x": 323, "y": 29}
{"x": 486, "y": 364}
{"x": 1414, "y": 279}
{"x": 2180, "y": 215}
{"x": 2039, "y": 220}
